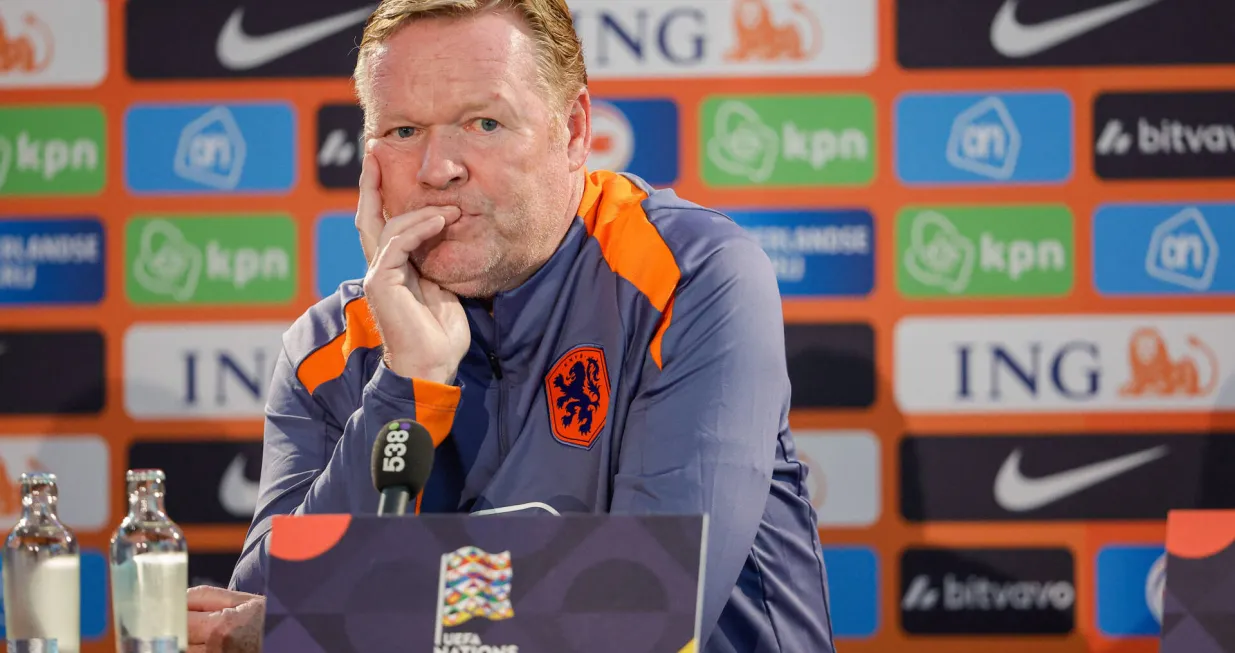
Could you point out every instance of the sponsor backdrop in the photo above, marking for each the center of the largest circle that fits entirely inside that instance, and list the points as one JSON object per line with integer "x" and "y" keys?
{"x": 1004, "y": 233}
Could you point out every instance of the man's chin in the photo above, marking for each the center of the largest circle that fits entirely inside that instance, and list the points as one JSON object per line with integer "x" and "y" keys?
{"x": 461, "y": 282}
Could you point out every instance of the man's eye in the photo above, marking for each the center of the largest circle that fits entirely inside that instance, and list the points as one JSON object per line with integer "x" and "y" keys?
{"x": 487, "y": 124}
{"x": 404, "y": 132}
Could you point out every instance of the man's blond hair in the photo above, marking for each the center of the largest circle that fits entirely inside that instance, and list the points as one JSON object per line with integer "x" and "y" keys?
{"x": 559, "y": 52}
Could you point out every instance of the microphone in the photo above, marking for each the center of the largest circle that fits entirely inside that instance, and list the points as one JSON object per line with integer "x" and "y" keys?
{"x": 402, "y": 460}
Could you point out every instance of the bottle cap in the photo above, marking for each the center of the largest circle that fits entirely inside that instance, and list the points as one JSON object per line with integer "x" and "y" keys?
{"x": 36, "y": 479}
{"x": 139, "y": 475}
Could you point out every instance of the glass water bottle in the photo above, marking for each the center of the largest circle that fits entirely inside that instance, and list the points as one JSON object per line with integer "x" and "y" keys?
{"x": 149, "y": 572}
{"x": 42, "y": 575}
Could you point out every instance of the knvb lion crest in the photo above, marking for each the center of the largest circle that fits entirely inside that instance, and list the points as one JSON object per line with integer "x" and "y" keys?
{"x": 577, "y": 389}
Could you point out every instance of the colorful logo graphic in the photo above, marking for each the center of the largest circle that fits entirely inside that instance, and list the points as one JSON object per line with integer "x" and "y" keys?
{"x": 853, "y": 590}
{"x": 52, "y": 44}
{"x": 577, "y": 390}
{"x": 52, "y": 150}
{"x": 1131, "y": 582}
{"x": 985, "y": 251}
{"x": 725, "y": 38}
{"x": 475, "y": 584}
{"x": 637, "y": 136}
{"x": 51, "y": 261}
{"x": 816, "y": 253}
{"x": 971, "y": 138}
{"x": 1065, "y": 363}
{"x": 787, "y": 140}
{"x": 1163, "y": 249}
{"x": 211, "y": 259}
{"x": 210, "y": 148}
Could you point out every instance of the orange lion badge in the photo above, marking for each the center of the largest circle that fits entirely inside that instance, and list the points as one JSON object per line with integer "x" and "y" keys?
{"x": 577, "y": 389}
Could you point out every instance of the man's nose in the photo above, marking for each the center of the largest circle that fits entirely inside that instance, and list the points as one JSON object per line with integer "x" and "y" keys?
{"x": 442, "y": 166}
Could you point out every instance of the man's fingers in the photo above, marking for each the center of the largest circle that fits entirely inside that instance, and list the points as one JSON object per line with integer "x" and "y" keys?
{"x": 201, "y": 624}
{"x": 400, "y": 224}
{"x": 396, "y": 249}
{"x": 436, "y": 298}
{"x": 205, "y": 598}
{"x": 369, "y": 220}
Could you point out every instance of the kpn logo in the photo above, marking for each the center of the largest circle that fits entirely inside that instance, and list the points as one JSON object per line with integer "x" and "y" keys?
{"x": 57, "y": 150}
{"x": 474, "y": 584}
{"x": 211, "y": 259}
{"x": 788, "y": 140}
{"x": 985, "y": 251}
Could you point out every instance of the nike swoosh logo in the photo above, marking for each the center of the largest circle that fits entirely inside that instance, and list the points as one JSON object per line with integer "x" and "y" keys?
{"x": 1013, "y": 39}
{"x": 1015, "y": 492}
{"x": 237, "y": 494}
{"x": 240, "y": 51}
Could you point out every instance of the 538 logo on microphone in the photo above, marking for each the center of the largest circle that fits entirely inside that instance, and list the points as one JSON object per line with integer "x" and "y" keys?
{"x": 392, "y": 460}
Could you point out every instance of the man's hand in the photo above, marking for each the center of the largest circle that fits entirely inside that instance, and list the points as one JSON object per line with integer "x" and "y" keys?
{"x": 423, "y": 326}
{"x": 223, "y": 621}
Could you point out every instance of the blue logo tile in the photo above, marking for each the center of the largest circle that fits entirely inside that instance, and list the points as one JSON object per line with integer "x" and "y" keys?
{"x": 816, "y": 253}
{"x": 853, "y": 590}
{"x": 1164, "y": 249}
{"x": 1131, "y": 580}
{"x": 210, "y": 148}
{"x": 984, "y": 138}
{"x": 639, "y": 136}
{"x": 338, "y": 252}
{"x": 94, "y": 590}
{"x": 51, "y": 260}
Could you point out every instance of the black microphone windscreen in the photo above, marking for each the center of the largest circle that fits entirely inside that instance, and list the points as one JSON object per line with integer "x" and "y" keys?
{"x": 402, "y": 456}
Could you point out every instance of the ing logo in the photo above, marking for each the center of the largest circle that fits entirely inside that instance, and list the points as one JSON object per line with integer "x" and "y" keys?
{"x": 758, "y": 37}
{"x": 29, "y": 49}
{"x": 1154, "y": 373}
{"x": 577, "y": 390}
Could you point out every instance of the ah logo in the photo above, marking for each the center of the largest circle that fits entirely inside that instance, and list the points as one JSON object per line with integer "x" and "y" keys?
{"x": 206, "y": 148}
{"x": 983, "y": 139}
{"x": 1183, "y": 251}
{"x": 577, "y": 390}
{"x": 1163, "y": 248}
{"x": 1154, "y": 373}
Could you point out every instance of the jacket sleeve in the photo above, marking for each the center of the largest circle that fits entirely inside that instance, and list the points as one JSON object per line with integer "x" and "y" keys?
{"x": 313, "y": 464}
{"x": 702, "y": 431}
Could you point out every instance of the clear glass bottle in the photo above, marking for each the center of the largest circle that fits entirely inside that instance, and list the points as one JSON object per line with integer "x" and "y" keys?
{"x": 149, "y": 572}
{"x": 42, "y": 574}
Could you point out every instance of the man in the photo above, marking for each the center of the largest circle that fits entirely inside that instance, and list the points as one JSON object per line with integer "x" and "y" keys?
{"x": 574, "y": 341}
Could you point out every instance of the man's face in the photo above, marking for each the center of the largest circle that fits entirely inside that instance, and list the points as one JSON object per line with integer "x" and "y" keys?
{"x": 459, "y": 110}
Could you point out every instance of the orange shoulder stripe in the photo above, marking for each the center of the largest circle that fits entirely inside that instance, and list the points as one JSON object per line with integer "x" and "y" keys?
{"x": 329, "y": 360}
{"x": 612, "y": 212}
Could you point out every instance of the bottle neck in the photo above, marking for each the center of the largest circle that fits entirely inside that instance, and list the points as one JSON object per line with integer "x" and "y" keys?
{"x": 38, "y": 504}
{"x": 146, "y": 501}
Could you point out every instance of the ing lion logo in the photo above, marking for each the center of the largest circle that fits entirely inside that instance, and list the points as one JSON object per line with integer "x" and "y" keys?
{"x": 758, "y": 38}
{"x": 20, "y": 53}
{"x": 1153, "y": 373}
{"x": 577, "y": 389}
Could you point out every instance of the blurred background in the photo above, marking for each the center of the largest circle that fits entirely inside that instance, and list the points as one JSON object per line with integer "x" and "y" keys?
{"x": 1003, "y": 233}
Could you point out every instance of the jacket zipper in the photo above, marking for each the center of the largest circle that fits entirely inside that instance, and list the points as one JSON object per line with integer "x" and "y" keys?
{"x": 496, "y": 364}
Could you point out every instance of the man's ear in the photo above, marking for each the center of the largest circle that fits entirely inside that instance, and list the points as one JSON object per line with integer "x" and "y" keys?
{"x": 579, "y": 129}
